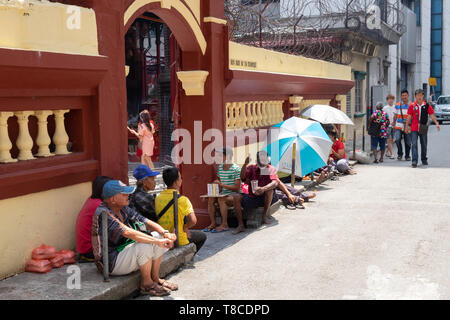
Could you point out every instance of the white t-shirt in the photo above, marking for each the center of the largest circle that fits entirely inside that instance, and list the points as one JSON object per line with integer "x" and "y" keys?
{"x": 390, "y": 110}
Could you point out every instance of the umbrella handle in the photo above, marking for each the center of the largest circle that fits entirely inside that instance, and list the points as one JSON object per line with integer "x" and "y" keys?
{"x": 294, "y": 151}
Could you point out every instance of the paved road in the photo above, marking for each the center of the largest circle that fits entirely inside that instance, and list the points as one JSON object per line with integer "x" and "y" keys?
{"x": 382, "y": 234}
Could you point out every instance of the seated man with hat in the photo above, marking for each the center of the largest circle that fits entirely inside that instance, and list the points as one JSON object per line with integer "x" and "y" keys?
{"x": 141, "y": 200}
{"x": 130, "y": 247}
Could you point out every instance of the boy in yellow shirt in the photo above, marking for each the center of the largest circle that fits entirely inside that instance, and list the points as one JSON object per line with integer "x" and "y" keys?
{"x": 186, "y": 214}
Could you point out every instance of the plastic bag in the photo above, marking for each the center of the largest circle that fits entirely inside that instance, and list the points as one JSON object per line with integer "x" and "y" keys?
{"x": 38, "y": 266}
{"x": 43, "y": 253}
{"x": 58, "y": 261}
{"x": 362, "y": 157}
{"x": 68, "y": 255}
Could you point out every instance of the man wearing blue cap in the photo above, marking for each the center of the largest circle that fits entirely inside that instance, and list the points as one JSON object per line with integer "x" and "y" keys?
{"x": 141, "y": 200}
{"x": 129, "y": 249}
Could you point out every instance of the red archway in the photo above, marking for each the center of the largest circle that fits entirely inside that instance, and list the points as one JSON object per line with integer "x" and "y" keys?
{"x": 175, "y": 21}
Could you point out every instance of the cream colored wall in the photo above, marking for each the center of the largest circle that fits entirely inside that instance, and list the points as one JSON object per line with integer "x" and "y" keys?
{"x": 28, "y": 221}
{"x": 43, "y": 26}
{"x": 241, "y": 153}
{"x": 276, "y": 62}
{"x": 359, "y": 63}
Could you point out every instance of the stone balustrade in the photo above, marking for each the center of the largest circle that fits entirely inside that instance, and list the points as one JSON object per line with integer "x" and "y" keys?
{"x": 25, "y": 142}
{"x": 253, "y": 114}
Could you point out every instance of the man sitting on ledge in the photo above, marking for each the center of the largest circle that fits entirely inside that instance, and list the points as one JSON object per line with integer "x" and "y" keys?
{"x": 130, "y": 250}
{"x": 265, "y": 179}
{"x": 186, "y": 215}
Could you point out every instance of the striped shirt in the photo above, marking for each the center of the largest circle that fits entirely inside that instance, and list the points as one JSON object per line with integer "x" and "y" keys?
{"x": 115, "y": 231}
{"x": 401, "y": 109}
{"x": 228, "y": 177}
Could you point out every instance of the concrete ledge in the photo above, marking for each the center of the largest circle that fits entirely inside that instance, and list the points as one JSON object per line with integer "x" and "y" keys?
{"x": 53, "y": 286}
{"x": 253, "y": 217}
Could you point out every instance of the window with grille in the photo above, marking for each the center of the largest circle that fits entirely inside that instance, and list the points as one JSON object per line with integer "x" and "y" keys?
{"x": 358, "y": 96}
{"x": 349, "y": 104}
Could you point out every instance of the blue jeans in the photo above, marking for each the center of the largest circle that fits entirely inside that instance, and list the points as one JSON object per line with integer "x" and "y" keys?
{"x": 399, "y": 135}
{"x": 415, "y": 148}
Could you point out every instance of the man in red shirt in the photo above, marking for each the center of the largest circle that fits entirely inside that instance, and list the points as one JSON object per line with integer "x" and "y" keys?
{"x": 262, "y": 180}
{"x": 418, "y": 113}
{"x": 338, "y": 155}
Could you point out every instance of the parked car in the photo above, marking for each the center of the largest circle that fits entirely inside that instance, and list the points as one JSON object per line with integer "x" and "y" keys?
{"x": 442, "y": 109}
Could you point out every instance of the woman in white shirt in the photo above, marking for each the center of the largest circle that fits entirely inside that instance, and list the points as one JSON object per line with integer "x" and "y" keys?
{"x": 390, "y": 110}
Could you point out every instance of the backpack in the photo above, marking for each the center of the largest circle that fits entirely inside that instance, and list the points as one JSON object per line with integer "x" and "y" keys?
{"x": 374, "y": 128}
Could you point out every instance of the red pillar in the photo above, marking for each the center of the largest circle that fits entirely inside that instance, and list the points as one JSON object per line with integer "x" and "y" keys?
{"x": 209, "y": 109}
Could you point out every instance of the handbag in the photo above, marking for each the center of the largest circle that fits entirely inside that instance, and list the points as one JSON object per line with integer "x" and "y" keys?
{"x": 423, "y": 128}
{"x": 374, "y": 128}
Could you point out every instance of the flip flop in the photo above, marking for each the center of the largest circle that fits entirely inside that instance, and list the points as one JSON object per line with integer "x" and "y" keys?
{"x": 208, "y": 229}
{"x": 219, "y": 231}
{"x": 155, "y": 290}
{"x": 290, "y": 206}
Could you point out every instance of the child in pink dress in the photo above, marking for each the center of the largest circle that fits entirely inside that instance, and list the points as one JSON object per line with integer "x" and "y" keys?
{"x": 145, "y": 135}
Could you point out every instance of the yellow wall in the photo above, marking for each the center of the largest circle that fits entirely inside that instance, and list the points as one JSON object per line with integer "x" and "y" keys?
{"x": 28, "y": 221}
{"x": 276, "y": 62}
{"x": 43, "y": 26}
{"x": 359, "y": 63}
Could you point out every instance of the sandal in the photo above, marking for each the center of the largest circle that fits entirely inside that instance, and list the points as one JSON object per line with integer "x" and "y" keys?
{"x": 290, "y": 206}
{"x": 221, "y": 230}
{"x": 155, "y": 290}
{"x": 299, "y": 206}
{"x": 209, "y": 229}
{"x": 168, "y": 285}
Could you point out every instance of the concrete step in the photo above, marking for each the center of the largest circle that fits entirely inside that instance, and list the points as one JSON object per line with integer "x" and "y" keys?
{"x": 53, "y": 285}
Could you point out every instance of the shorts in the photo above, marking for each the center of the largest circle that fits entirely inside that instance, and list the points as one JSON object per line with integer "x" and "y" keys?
{"x": 375, "y": 141}
{"x": 136, "y": 255}
{"x": 249, "y": 202}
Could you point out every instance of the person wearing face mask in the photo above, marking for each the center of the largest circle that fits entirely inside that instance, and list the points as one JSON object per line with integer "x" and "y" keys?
{"x": 262, "y": 180}
{"x": 129, "y": 248}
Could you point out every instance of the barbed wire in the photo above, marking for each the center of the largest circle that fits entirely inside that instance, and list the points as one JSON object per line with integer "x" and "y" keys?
{"x": 322, "y": 29}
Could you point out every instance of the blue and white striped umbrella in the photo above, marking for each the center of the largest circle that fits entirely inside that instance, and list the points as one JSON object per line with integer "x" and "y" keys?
{"x": 312, "y": 146}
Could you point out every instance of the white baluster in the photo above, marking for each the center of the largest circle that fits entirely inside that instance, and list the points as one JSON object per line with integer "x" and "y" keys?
{"x": 255, "y": 114}
{"x": 234, "y": 115}
{"x": 260, "y": 114}
{"x": 227, "y": 114}
{"x": 24, "y": 141}
{"x": 60, "y": 138}
{"x": 270, "y": 112}
{"x": 251, "y": 119}
{"x": 43, "y": 139}
{"x": 5, "y": 142}
{"x": 265, "y": 114}
{"x": 280, "y": 111}
{"x": 247, "y": 115}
